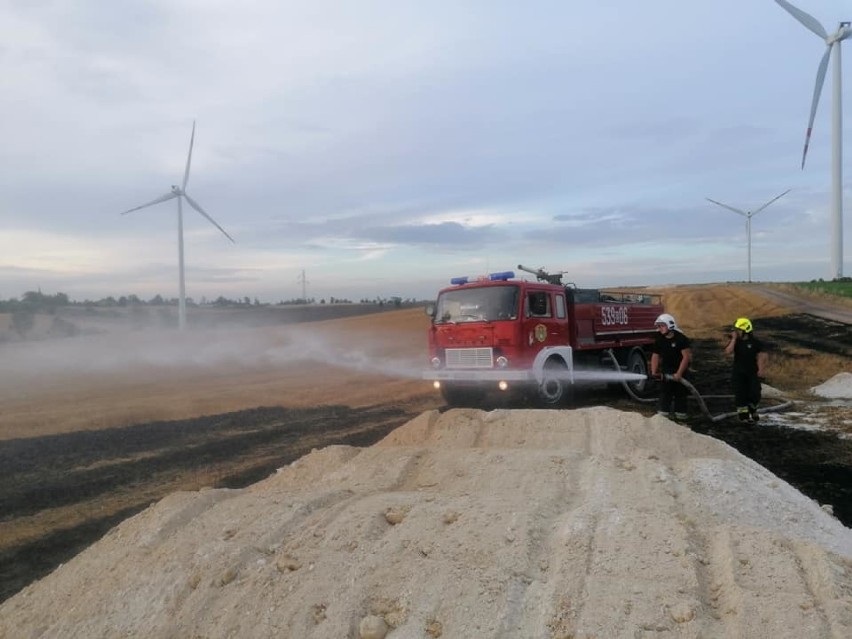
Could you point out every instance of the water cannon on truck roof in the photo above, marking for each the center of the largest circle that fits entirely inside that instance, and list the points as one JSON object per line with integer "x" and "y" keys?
{"x": 542, "y": 275}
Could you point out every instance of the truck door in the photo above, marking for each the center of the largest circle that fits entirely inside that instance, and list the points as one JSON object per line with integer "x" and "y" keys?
{"x": 545, "y": 322}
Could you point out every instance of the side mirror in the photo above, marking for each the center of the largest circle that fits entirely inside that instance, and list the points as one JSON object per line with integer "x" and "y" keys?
{"x": 430, "y": 310}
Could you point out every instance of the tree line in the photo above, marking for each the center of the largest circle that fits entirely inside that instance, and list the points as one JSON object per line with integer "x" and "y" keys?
{"x": 38, "y": 302}
{"x": 23, "y": 310}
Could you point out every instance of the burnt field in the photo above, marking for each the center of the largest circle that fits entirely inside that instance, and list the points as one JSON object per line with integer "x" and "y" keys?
{"x": 818, "y": 463}
{"x": 62, "y": 492}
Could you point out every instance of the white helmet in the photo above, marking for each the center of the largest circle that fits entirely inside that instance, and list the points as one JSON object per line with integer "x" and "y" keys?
{"x": 666, "y": 320}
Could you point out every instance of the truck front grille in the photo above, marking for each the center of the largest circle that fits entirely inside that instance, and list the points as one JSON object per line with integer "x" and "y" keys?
{"x": 470, "y": 358}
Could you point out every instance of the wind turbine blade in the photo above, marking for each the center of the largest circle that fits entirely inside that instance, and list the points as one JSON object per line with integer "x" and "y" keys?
{"x": 777, "y": 197}
{"x": 198, "y": 208}
{"x": 820, "y": 79}
{"x": 162, "y": 198}
{"x": 806, "y": 19}
{"x": 188, "y": 158}
{"x": 725, "y": 206}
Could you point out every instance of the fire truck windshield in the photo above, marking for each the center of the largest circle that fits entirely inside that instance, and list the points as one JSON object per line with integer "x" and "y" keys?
{"x": 481, "y": 304}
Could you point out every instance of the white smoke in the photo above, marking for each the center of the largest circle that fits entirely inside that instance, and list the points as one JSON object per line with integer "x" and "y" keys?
{"x": 37, "y": 362}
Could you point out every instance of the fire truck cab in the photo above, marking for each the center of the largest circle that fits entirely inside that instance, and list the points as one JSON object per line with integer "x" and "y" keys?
{"x": 500, "y": 333}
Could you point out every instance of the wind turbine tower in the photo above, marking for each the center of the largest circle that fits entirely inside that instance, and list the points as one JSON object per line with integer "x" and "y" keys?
{"x": 748, "y": 215}
{"x": 832, "y": 42}
{"x": 179, "y": 193}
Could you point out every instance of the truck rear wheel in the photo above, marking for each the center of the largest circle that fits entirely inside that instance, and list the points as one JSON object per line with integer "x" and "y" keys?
{"x": 637, "y": 363}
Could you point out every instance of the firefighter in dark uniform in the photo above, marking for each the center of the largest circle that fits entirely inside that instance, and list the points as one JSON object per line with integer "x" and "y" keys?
{"x": 671, "y": 355}
{"x": 749, "y": 363}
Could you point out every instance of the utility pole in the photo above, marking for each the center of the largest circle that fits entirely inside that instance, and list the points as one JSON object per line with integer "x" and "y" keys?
{"x": 304, "y": 283}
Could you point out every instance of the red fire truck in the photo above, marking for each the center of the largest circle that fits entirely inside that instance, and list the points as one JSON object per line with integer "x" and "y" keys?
{"x": 499, "y": 333}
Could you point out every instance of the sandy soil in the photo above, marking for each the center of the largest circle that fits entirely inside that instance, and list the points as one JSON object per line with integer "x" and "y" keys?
{"x": 588, "y": 523}
{"x": 592, "y": 522}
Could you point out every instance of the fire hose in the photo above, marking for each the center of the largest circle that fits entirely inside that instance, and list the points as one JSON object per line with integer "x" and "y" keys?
{"x": 694, "y": 393}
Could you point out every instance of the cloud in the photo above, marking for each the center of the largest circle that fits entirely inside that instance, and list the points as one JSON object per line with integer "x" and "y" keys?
{"x": 361, "y": 141}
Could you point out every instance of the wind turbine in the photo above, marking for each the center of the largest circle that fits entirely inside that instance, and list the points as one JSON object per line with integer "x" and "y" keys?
{"x": 832, "y": 42}
{"x": 179, "y": 193}
{"x": 748, "y": 215}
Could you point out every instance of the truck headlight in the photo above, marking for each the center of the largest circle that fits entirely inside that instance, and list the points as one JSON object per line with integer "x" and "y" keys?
{"x": 436, "y": 362}
{"x": 502, "y": 362}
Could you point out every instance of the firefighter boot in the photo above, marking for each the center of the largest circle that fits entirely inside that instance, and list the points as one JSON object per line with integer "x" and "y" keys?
{"x": 743, "y": 414}
{"x": 752, "y": 414}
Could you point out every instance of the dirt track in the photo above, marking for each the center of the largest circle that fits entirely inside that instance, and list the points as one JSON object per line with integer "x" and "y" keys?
{"x": 63, "y": 491}
{"x": 805, "y": 305}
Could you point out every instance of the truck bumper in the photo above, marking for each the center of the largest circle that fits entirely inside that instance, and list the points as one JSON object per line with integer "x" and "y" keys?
{"x": 479, "y": 376}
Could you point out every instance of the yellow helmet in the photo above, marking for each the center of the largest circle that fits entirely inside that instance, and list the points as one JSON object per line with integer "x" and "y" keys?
{"x": 743, "y": 324}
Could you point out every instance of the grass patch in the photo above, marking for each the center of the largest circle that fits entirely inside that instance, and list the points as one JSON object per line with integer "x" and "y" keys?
{"x": 801, "y": 369}
{"x": 838, "y": 288}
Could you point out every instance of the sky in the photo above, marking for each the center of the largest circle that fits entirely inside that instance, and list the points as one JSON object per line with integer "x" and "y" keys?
{"x": 378, "y": 148}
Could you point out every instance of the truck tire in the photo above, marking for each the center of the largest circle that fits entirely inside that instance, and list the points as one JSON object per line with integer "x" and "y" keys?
{"x": 461, "y": 396}
{"x": 637, "y": 362}
{"x": 554, "y": 389}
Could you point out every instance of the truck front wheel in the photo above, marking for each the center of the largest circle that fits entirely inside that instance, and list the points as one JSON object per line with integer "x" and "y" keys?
{"x": 555, "y": 387}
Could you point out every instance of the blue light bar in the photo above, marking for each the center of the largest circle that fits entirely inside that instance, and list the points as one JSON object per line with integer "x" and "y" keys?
{"x": 502, "y": 276}
{"x": 457, "y": 281}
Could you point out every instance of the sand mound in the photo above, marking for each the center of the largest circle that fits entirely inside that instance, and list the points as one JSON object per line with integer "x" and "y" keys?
{"x": 770, "y": 392}
{"x": 838, "y": 387}
{"x": 557, "y": 524}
